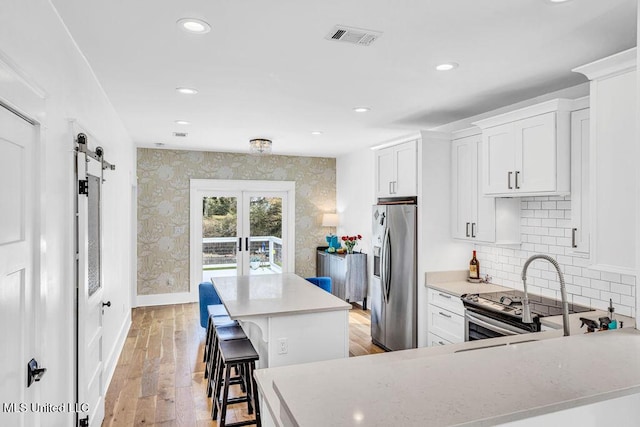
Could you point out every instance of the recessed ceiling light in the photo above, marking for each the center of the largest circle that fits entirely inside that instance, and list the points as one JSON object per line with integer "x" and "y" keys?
{"x": 558, "y": 1}
{"x": 316, "y": 132}
{"x": 182, "y": 122}
{"x": 447, "y": 66}
{"x": 187, "y": 90}
{"x": 159, "y": 144}
{"x": 361, "y": 109}
{"x": 194, "y": 25}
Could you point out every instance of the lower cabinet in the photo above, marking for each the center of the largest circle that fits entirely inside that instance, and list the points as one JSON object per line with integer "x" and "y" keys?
{"x": 445, "y": 318}
{"x": 348, "y": 274}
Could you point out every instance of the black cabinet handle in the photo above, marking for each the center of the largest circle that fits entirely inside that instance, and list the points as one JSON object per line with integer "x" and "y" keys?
{"x": 473, "y": 229}
{"x": 517, "y": 174}
{"x": 509, "y": 180}
{"x": 468, "y": 229}
{"x": 246, "y": 243}
{"x": 573, "y": 237}
{"x": 106, "y": 304}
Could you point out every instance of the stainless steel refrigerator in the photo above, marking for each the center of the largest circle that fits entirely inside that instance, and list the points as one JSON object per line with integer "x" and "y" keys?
{"x": 394, "y": 291}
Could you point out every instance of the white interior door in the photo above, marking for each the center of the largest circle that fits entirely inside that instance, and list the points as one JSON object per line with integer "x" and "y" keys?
{"x": 90, "y": 379}
{"x": 18, "y": 279}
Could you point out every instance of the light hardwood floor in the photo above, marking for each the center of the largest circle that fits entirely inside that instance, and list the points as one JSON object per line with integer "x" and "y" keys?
{"x": 158, "y": 380}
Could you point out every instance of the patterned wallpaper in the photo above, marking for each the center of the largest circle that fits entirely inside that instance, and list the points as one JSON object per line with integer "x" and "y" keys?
{"x": 163, "y": 207}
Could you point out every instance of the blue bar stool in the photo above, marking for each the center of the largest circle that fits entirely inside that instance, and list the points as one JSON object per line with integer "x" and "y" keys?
{"x": 321, "y": 282}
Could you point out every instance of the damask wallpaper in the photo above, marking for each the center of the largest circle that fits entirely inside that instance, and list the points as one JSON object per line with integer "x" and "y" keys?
{"x": 163, "y": 207}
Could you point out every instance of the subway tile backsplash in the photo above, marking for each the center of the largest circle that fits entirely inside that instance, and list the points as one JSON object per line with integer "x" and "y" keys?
{"x": 546, "y": 228}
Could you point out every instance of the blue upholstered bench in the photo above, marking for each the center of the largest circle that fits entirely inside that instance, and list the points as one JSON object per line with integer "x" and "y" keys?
{"x": 207, "y": 296}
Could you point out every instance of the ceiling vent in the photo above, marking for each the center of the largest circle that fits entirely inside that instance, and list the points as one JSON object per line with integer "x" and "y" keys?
{"x": 358, "y": 36}
{"x": 180, "y": 134}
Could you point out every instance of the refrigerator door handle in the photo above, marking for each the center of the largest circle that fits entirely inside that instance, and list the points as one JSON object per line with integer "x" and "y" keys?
{"x": 387, "y": 266}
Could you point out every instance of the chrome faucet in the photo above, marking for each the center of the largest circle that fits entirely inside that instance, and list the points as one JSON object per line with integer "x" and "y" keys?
{"x": 526, "y": 311}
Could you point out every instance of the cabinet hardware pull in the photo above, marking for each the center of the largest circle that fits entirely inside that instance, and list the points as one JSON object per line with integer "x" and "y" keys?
{"x": 390, "y": 188}
{"x": 573, "y": 237}
{"x": 445, "y": 315}
{"x": 468, "y": 229}
{"x": 444, "y": 295}
{"x": 517, "y": 186}
{"x": 473, "y": 229}
{"x": 509, "y": 180}
{"x": 395, "y": 187}
{"x": 440, "y": 342}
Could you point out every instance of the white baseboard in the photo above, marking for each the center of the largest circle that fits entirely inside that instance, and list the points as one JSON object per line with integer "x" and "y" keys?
{"x": 165, "y": 299}
{"x": 112, "y": 360}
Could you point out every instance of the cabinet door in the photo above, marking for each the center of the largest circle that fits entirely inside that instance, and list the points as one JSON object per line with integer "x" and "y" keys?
{"x": 322, "y": 266}
{"x": 580, "y": 181}
{"x": 483, "y": 224}
{"x": 338, "y": 267}
{"x": 405, "y": 167}
{"x": 464, "y": 185}
{"x": 535, "y": 161}
{"x": 498, "y": 159}
{"x": 384, "y": 172}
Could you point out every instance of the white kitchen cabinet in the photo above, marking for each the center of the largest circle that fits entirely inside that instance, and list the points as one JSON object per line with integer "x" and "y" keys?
{"x": 613, "y": 161}
{"x": 527, "y": 152}
{"x": 445, "y": 317}
{"x": 474, "y": 214}
{"x": 396, "y": 170}
{"x": 580, "y": 182}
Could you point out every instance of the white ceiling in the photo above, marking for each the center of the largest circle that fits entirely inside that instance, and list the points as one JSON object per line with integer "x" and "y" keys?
{"x": 266, "y": 70}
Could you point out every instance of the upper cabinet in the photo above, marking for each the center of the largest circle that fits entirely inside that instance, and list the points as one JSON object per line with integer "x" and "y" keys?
{"x": 396, "y": 170}
{"x": 580, "y": 182}
{"x": 527, "y": 152}
{"x": 473, "y": 215}
{"x": 613, "y": 183}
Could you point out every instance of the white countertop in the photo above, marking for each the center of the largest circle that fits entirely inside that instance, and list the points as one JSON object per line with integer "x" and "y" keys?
{"x": 273, "y": 295}
{"x": 459, "y": 288}
{"x": 426, "y": 387}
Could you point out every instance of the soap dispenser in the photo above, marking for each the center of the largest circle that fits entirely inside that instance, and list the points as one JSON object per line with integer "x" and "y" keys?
{"x": 613, "y": 324}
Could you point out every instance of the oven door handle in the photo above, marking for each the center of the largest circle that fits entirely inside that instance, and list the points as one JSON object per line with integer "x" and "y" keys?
{"x": 492, "y": 327}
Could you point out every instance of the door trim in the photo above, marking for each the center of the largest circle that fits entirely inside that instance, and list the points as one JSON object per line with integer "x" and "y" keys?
{"x": 198, "y": 186}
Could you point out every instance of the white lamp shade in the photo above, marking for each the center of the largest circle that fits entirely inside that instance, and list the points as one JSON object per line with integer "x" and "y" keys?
{"x": 329, "y": 220}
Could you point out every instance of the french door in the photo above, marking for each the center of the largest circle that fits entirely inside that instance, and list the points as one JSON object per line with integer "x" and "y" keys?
{"x": 243, "y": 231}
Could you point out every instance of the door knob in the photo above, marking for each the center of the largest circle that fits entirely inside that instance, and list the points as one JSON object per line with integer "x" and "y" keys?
{"x": 107, "y": 304}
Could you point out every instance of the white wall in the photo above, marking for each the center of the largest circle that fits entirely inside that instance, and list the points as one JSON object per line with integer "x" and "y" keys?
{"x": 355, "y": 194}
{"x": 33, "y": 38}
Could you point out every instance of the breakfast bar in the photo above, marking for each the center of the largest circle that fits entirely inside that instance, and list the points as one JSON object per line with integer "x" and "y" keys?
{"x": 545, "y": 382}
{"x": 288, "y": 319}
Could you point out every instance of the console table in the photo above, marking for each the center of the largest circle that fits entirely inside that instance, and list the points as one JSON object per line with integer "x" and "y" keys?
{"x": 348, "y": 274}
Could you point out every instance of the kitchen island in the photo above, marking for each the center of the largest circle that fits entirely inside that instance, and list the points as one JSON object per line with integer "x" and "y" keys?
{"x": 287, "y": 319}
{"x": 580, "y": 377}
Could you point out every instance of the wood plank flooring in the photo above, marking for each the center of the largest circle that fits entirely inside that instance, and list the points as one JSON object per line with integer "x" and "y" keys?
{"x": 158, "y": 380}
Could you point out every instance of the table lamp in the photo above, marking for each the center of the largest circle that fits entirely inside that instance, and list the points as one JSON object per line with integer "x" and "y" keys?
{"x": 331, "y": 220}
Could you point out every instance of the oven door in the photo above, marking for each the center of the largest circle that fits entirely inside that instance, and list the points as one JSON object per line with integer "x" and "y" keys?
{"x": 479, "y": 326}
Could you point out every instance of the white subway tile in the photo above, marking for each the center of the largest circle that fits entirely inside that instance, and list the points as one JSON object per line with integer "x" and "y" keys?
{"x": 600, "y": 284}
{"x": 549, "y": 293}
{"x": 599, "y": 305}
{"x": 534, "y": 272}
{"x": 626, "y": 311}
{"x": 576, "y": 271}
{"x": 556, "y": 250}
{"x": 573, "y": 289}
{"x": 556, "y": 214}
{"x": 527, "y": 213}
{"x": 542, "y": 283}
{"x": 549, "y": 222}
{"x": 577, "y": 299}
{"x": 627, "y": 300}
{"x": 542, "y": 248}
{"x": 580, "y": 261}
{"x": 534, "y": 205}
{"x": 523, "y": 220}
{"x": 532, "y": 238}
{"x": 612, "y": 277}
{"x": 567, "y": 214}
{"x": 558, "y": 198}
{"x": 548, "y": 205}
{"x": 556, "y": 232}
{"x": 581, "y": 281}
{"x": 591, "y": 274}
{"x": 564, "y": 223}
{"x": 628, "y": 280}
{"x": 541, "y": 231}
{"x": 563, "y": 204}
{"x": 565, "y": 260}
{"x": 535, "y": 222}
{"x": 550, "y": 275}
{"x": 590, "y": 293}
{"x": 532, "y": 289}
{"x": 541, "y": 214}
{"x": 620, "y": 289}
{"x": 549, "y": 240}
{"x": 564, "y": 241}
{"x": 528, "y": 246}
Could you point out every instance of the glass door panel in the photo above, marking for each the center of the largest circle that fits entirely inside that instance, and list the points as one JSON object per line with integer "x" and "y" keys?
{"x": 265, "y": 233}
{"x": 220, "y": 236}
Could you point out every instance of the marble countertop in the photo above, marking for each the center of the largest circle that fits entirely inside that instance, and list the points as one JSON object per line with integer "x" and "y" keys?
{"x": 426, "y": 386}
{"x": 455, "y": 283}
{"x": 273, "y": 295}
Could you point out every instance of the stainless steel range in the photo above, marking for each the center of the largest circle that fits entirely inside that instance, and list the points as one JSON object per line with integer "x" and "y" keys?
{"x": 496, "y": 314}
